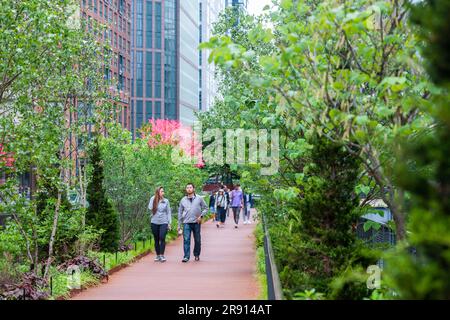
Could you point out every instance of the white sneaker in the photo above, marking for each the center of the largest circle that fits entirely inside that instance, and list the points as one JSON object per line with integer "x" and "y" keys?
{"x": 158, "y": 258}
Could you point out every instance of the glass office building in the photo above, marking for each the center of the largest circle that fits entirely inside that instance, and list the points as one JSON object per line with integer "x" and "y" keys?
{"x": 164, "y": 61}
{"x": 209, "y": 12}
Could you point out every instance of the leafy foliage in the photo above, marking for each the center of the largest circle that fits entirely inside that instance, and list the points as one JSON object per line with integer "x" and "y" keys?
{"x": 31, "y": 288}
{"x": 100, "y": 214}
{"x": 133, "y": 171}
{"x": 420, "y": 267}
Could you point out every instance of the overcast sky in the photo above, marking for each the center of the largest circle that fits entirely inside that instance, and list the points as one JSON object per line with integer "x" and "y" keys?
{"x": 256, "y": 6}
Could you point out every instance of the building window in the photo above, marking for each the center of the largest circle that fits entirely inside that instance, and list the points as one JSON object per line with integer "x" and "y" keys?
{"x": 148, "y": 74}
{"x": 149, "y": 25}
{"x": 148, "y": 111}
{"x": 139, "y": 114}
{"x": 139, "y": 24}
{"x": 158, "y": 25}
{"x": 157, "y": 114}
{"x": 121, "y": 6}
{"x": 157, "y": 75}
{"x": 139, "y": 74}
{"x": 170, "y": 60}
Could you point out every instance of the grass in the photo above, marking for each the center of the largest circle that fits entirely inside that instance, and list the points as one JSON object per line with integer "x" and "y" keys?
{"x": 261, "y": 273}
{"x": 61, "y": 282}
{"x": 261, "y": 262}
{"x": 111, "y": 260}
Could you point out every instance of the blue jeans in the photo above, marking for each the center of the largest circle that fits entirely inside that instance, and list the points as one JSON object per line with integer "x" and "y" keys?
{"x": 187, "y": 229}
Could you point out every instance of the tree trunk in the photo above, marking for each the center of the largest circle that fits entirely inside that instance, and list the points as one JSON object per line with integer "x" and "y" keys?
{"x": 375, "y": 168}
{"x": 82, "y": 182}
{"x": 36, "y": 251}
{"x": 52, "y": 237}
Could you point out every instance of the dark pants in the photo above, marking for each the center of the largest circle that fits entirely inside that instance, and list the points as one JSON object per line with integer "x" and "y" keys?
{"x": 159, "y": 234}
{"x": 187, "y": 229}
{"x": 216, "y": 213}
{"x": 222, "y": 214}
{"x": 236, "y": 214}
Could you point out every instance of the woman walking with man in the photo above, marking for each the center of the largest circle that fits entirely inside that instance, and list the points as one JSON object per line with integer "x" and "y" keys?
{"x": 161, "y": 221}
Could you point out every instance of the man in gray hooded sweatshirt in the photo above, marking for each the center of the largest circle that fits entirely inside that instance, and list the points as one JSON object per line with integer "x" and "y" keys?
{"x": 190, "y": 213}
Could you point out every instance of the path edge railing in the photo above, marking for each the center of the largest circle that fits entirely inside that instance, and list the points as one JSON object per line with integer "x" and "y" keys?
{"x": 274, "y": 289}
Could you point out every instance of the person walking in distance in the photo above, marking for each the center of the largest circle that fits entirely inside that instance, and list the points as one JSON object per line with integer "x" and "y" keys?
{"x": 212, "y": 207}
{"x": 190, "y": 213}
{"x": 160, "y": 222}
{"x": 227, "y": 195}
{"x": 221, "y": 207}
{"x": 237, "y": 202}
{"x": 247, "y": 206}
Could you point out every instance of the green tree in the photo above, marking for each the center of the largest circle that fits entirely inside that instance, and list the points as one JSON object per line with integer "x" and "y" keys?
{"x": 100, "y": 214}
{"x": 420, "y": 267}
{"x": 133, "y": 171}
{"x": 49, "y": 68}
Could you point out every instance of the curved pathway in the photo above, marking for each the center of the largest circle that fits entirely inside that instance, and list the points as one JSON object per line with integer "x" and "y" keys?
{"x": 226, "y": 270}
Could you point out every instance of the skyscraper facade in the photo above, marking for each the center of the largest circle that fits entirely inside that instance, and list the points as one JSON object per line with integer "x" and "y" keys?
{"x": 153, "y": 62}
{"x": 208, "y": 90}
{"x": 189, "y": 39}
{"x": 171, "y": 78}
{"x": 164, "y": 61}
{"x": 116, "y": 16}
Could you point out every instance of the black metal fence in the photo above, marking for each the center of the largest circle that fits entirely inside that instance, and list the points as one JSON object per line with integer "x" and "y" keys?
{"x": 274, "y": 289}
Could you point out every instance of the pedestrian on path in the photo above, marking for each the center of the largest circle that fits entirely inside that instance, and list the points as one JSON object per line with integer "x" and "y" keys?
{"x": 161, "y": 221}
{"x": 227, "y": 194}
{"x": 212, "y": 207}
{"x": 221, "y": 207}
{"x": 237, "y": 202}
{"x": 190, "y": 213}
{"x": 247, "y": 206}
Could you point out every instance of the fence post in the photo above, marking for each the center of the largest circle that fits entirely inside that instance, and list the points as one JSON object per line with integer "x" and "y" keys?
{"x": 116, "y": 257}
{"x": 51, "y": 286}
{"x": 104, "y": 261}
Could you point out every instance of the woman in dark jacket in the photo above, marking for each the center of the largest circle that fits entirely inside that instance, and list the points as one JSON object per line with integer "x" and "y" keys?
{"x": 221, "y": 207}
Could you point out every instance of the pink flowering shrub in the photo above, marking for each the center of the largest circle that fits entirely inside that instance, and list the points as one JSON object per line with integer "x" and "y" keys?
{"x": 174, "y": 133}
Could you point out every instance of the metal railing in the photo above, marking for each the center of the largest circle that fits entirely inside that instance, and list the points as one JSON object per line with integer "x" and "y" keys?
{"x": 274, "y": 289}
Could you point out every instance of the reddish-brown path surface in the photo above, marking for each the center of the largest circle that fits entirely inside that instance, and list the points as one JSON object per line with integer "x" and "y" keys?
{"x": 226, "y": 270}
